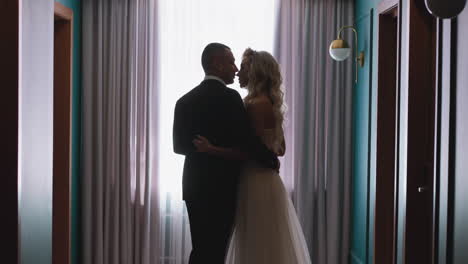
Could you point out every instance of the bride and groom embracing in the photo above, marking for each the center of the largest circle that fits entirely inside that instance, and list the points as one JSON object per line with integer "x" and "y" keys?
{"x": 238, "y": 208}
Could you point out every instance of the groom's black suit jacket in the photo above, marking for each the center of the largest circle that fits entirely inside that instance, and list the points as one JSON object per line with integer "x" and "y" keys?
{"x": 216, "y": 112}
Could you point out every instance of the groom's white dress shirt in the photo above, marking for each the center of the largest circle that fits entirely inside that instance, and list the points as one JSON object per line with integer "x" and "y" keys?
{"x": 211, "y": 77}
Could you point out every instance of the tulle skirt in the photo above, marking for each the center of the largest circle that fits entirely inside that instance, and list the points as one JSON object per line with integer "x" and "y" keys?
{"x": 267, "y": 230}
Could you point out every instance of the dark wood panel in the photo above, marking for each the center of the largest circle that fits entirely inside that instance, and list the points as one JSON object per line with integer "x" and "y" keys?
{"x": 420, "y": 134}
{"x": 61, "y": 233}
{"x": 386, "y": 135}
{"x": 9, "y": 28}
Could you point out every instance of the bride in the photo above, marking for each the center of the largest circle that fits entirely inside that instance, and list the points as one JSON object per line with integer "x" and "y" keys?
{"x": 266, "y": 229}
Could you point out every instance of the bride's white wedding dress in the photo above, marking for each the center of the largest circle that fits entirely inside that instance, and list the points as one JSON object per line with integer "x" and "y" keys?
{"x": 267, "y": 230}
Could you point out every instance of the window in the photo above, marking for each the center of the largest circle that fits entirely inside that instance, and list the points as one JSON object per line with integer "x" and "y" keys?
{"x": 185, "y": 28}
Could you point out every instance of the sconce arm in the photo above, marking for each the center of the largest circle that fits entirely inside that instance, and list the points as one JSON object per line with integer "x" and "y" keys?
{"x": 355, "y": 46}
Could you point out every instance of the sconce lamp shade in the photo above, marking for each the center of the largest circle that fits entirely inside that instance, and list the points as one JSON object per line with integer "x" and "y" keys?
{"x": 339, "y": 50}
{"x": 445, "y": 9}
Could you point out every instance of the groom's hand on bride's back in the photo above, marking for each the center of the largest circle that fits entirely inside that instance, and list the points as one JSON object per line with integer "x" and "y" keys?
{"x": 268, "y": 158}
{"x": 275, "y": 164}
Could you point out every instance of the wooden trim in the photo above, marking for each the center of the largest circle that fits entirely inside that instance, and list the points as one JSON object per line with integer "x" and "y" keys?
{"x": 437, "y": 142}
{"x": 386, "y": 170}
{"x": 386, "y": 6}
{"x": 63, "y": 52}
{"x": 443, "y": 140}
{"x": 62, "y": 11}
{"x": 452, "y": 140}
{"x": 9, "y": 105}
{"x": 369, "y": 189}
{"x": 398, "y": 127}
{"x": 399, "y": 193}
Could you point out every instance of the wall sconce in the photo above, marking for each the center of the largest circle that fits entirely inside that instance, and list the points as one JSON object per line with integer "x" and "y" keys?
{"x": 340, "y": 50}
{"x": 443, "y": 9}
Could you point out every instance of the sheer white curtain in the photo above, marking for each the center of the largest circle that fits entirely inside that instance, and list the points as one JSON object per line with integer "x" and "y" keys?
{"x": 185, "y": 28}
{"x": 139, "y": 57}
{"x": 319, "y": 92}
{"x": 120, "y": 205}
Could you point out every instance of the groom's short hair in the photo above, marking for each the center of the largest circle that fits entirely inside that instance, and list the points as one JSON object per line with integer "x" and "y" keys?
{"x": 210, "y": 52}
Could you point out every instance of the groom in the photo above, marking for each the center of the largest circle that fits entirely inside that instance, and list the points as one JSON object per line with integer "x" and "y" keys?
{"x": 210, "y": 182}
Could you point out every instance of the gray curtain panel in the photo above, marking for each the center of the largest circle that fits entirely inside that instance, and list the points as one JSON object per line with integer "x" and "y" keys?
{"x": 120, "y": 206}
{"x": 319, "y": 93}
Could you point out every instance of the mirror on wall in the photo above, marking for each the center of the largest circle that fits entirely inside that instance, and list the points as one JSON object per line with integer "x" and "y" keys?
{"x": 444, "y": 8}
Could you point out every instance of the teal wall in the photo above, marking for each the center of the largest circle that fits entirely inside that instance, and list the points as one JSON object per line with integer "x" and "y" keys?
{"x": 75, "y": 5}
{"x": 364, "y": 128}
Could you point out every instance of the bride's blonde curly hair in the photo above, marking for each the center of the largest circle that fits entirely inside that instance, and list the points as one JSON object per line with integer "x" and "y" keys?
{"x": 264, "y": 75}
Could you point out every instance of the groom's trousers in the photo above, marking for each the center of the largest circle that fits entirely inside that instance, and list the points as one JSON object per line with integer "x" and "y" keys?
{"x": 211, "y": 225}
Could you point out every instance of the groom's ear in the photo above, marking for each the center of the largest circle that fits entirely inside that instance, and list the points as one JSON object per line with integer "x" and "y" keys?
{"x": 216, "y": 63}
{"x": 218, "y": 66}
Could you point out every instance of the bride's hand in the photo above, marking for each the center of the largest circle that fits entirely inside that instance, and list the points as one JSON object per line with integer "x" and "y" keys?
{"x": 202, "y": 144}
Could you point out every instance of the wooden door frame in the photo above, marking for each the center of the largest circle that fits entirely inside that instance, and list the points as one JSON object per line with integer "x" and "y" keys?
{"x": 9, "y": 78}
{"x": 61, "y": 219}
{"x": 387, "y": 132}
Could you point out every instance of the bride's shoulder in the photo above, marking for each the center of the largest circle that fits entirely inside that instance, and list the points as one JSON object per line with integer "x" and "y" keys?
{"x": 261, "y": 112}
{"x": 260, "y": 101}
{"x": 259, "y": 104}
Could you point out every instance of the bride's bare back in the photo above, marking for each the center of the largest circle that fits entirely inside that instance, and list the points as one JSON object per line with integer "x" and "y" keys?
{"x": 262, "y": 116}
